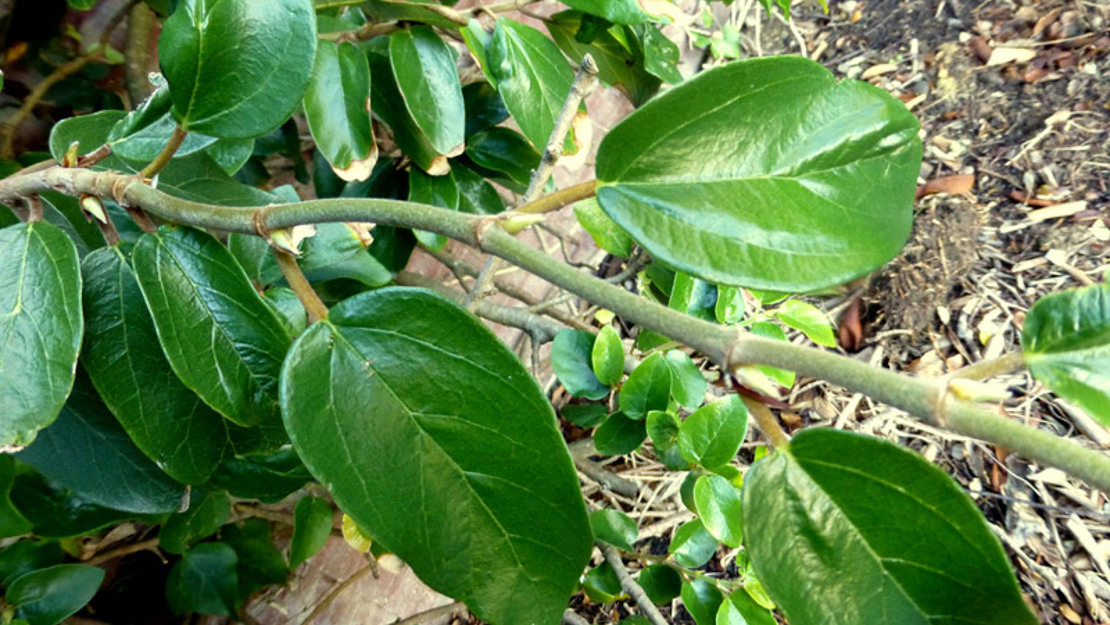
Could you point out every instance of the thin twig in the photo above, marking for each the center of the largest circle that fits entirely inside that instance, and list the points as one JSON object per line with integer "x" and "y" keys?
{"x": 166, "y": 155}
{"x": 647, "y": 608}
{"x": 766, "y": 422}
{"x": 335, "y": 592}
{"x": 312, "y": 303}
{"x": 570, "y": 617}
{"x": 427, "y": 615}
{"x": 580, "y": 452}
{"x": 150, "y": 544}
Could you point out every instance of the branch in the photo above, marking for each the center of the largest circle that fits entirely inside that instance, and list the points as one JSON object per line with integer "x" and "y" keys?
{"x": 647, "y": 608}
{"x": 313, "y": 305}
{"x": 728, "y": 347}
{"x": 166, "y": 155}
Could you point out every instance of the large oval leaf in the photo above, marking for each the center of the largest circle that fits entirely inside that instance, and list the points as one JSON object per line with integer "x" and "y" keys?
{"x": 532, "y": 76}
{"x": 40, "y": 328}
{"x": 337, "y": 107}
{"x": 47, "y": 596}
{"x": 1066, "y": 341}
{"x": 845, "y": 529}
{"x": 424, "y": 67}
{"x": 167, "y": 421}
{"x": 433, "y": 437}
{"x": 221, "y": 339}
{"x": 766, "y": 173}
{"x": 618, "y": 11}
{"x": 237, "y": 68}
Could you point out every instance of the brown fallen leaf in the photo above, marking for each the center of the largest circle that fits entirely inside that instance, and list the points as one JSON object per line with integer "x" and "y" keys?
{"x": 851, "y": 327}
{"x": 980, "y": 48}
{"x": 1036, "y": 202}
{"x": 1004, "y": 55}
{"x": 955, "y": 184}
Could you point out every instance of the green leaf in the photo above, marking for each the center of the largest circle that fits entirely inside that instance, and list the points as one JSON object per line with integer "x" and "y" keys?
{"x": 820, "y": 537}
{"x": 647, "y": 388}
{"x": 607, "y": 356}
{"x": 617, "y": 11}
{"x": 604, "y": 231}
{"x": 438, "y": 191}
{"x": 661, "y": 55}
{"x": 815, "y": 189}
{"x": 702, "y": 599}
{"x": 692, "y": 296}
{"x": 770, "y": 330}
{"x": 337, "y": 251}
{"x": 440, "y": 477}
{"x": 730, "y": 307}
{"x": 619, "y": 435}
{"x": 337, "y": 108}
{"x": 692, "y": 545}
{"x": 503, "y": 152}
{"x": 571, "y": 359}
{"x": 617, "y": 65}
{"x": 87, "y": 451}
{"x": 41, "y": 325}
{"x": 269, "y": 477}
{"x": 12, "y": 521}
{"x": 260, "y": 563}
{"x": 477, "y": 40}
{"x": 312, "y": 520}
{"x": 614, "y": 527}
{"x": 204, "y": 580}
{"x": 602, "y": 584}
{"x": 90, "y": 131}
{"x": 688, "y": 385}
{"x": 389, "y": 106}
{"x": 47, "y": 596}
{"x": 381, "y": 11}
{"x": 476, "y": 194}
{"x": 424, "y": 67}
{"x": 237, "y": 69}
{"x": 144, "y": 144}
{"x": 718, "y": 504}
{"x": 288, "y": 307}
{"x": 811, "y": 320}
{"x": 221, "y": 339}
{"x": 585, "y": 415}
{"x": 661, "y": 583}
{"x": 711, "y": 436}
{"x": 27, "y": 555}
{"x": 484, "y": 107}
{"x": 231, "y": 154}
{"x": 662, "y": 428}
{"x": 56, "y": 512}
{"x": 1066, "y": 343}
{"x": 207, "y": 511}
{"x": 532, "y": 76}
{"x": 741, "y": 609}
{"x": 167, "y": 421}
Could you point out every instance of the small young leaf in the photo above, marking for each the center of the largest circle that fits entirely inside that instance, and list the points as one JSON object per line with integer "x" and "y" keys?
{"x": 619, "y": 435}
{"x": 811, "y": 320}
{"x": 571, "y": 359}
{"x": 602, "y": 584}
{"x": 260, "y": 563}
{"x": 771, "y": 330}
{"x": 718, "y": 504}
{"x": 662, "y": 428}
{"x": 661, "y": 55}
{"x": 741, "y": 609}
{"x": 693, "y": 296}
{"x": 204, "y": 580}
{"x": 40, "y": 296}
{"x": 1066, "y": 342}
{"x": 206, "y": 513}
{"x": 585, "y": 415}
{"x": 730, "y": 307}
{"x": 504, "y": 153}
{"x": 47, "y": 596}
{"x": 619, "y": 64}
{"x": 831, "y": 487}
{"x": 647, "y": 388}
{"x": 614, "y": 527}
{"x": 604, "y": 231}
{"x": 608, "y": 356}
{"x": 312, "y": 520}
{"x": 712, "y": 435}
{"x": 438, "y": 191}
{"x": 337, "y": 108}
{"x": 237, "y": 69}
{"x": 702, "y": 599}
{"x": 424, "y": 68}
{"x": 661, "y": 583}
{"x": 688, "y": 385}
{"x": 692, "y": 545}
{"x": 89, "y": 131}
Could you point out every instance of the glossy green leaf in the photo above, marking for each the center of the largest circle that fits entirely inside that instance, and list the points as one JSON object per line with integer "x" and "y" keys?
{"x": 337, "y": 251}
{"x": 424, "y": 68}
{"x": 662, "y": 428}
{"x": 607, "y": 356}
{"x": 661, "y": 55}
{"x": 144, "y": 144}
{"x": 532, "y": 76}
{"x": 602, "y": 584}
{"x": 27, "y": 555}
{"x": 617, "y": 11}
{"x": 616, "y": 64}
{"x": 382, "y": 11}
{"x": 231, "y": 154}
{"x": 571, "y": 358}
{"x": 614, "y": 527}
{"x": 815, "y": 187}
{"x": 661, "y": 583}
{"x": 484, "y": 107}
{"x": 505, "y": 152}
{"x": 811, "y": 320}
{"x": 718, "y": 505}
{"x": 312, "y": 519}
{"x": 585, "y": 415}
{"x": 692, "y": 296}
{"x": 730, "y": 307}
{"x": 88, "y": 452}
{"x": 476, "y": 194}
{"x": 619, "y": 435}
{"x": 818, "y": 521}
{"x": 477, "y": 39}
{"x": 237, "y": 69}
{"x": 47, "y": 596}
{"x": 269, "y": 477}
{"x": 56, "y": 512}
{"x": 12, "y": 521}
{"x": 90, "y": 131}
{"x": 204, "y": 580}
{"x": 389, "y": 106}
{"x": 702, "y": 600}
{"x": 65, "y": 212}
{"x": 647, "y": 388}
{"x": 771, "y": 330}
{"x": 207, "y": 511}
{"x": 438, "y": 191}
{"x": 260, "y": 563}
{"x": 199, "y": 178}
{"x": 337, "y": 108}
{"x": 221, "y": 339}
{"x": 167, "y": 421}
{"x": 712, "y": 435}
{"x": 40, "y": 328}
{"x": 1066, "y": 343}
{"x": 440, "y": 477}
{"x": 692, "y": 545}
{"x": 688, "y": 385}
{"x": 741, "y": 609}
{"x": 288, "y": 307}
{"x": 604, "y": 231}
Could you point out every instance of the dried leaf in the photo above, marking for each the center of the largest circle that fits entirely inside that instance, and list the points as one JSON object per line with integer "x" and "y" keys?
{"x": 955, "y": 184}
{"x": 1003, "y": 55}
